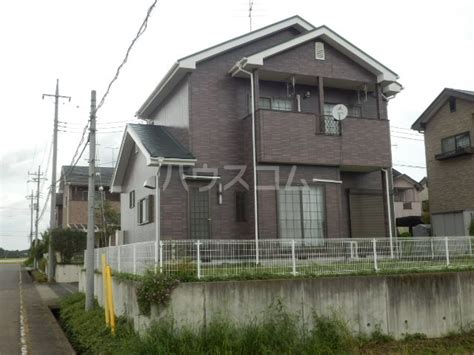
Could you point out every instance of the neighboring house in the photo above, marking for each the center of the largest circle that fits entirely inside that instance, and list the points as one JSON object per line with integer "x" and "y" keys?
{"x": 424, "y": 193}
{"x": 407, "y": 201}
{"x": 448, "y": 126}
{"x": 71, "y": 205}
{"x": 317, "y": 177}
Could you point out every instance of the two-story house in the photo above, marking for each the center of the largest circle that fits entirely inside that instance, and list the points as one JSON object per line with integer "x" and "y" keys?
{"x": 71, "y": 202}
{"x": 407, "y": 201}
{"x": 247, "y": 143}
{"x": 448, "y": 127}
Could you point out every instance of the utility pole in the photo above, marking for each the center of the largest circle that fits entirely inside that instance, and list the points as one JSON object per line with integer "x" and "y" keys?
{"x": 52, "y": 219}
{"x": 38, "y": 177}
{"x": 90, "y": 209}
{"x": 32, "y": 208}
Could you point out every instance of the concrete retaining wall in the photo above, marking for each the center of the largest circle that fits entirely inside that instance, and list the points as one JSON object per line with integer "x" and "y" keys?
{"x": 67, "y": 272}
{"x": 433, "y": 304}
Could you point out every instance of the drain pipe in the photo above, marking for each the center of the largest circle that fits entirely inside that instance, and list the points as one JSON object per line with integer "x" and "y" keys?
{"x": 389, "y": 211}
{"x": 157, "y": 217}
{"x": 254, "y": 156}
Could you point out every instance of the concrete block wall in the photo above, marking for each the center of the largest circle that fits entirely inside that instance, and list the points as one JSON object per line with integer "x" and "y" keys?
{"x": 434, "y": 304}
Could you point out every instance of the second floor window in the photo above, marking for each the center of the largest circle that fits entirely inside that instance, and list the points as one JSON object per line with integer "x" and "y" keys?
{"x": 454, "y": 143}
{"x": 131, "y": 199}
{"x": 144, "y": 210}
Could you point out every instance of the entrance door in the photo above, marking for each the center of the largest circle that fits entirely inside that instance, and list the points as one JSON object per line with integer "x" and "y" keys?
{"x": 200, "y": 220}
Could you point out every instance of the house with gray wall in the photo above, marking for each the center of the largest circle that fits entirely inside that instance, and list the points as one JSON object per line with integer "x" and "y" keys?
{"x": 244, "y": 140}
{"x": 407, "y": 201}
{"x": 448, "y": 127}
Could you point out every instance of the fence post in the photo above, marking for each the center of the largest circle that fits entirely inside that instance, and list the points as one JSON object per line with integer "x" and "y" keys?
{"x": 119, "y": 267}
{"x": 156, "y": 256}
{"x": 432, "y": 249}
{"x": 198, "y": 261}
{"x": 374, "y": 247}
{"x": 161, "y": 256}
{"x": 293, "y": 257}
{"x": 470, "y": 246}
{"x": 134, "y": 259}
{"x": 446, "y": 246}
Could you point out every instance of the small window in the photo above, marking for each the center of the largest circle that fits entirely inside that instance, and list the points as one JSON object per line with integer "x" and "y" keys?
{"x": 131, "y": 199}
{"x": 407, "y": 206}
{"x": 319, "y": 51}
{"x": 144, "y": 210}
{"x": 452, "y": 104}
{"x": 240, "y": 203}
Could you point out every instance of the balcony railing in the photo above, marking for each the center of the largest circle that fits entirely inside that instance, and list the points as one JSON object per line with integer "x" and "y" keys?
{"x": 330, "y": 126}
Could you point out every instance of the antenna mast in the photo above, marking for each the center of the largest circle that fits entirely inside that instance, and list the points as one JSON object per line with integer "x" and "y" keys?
{"x": 250, "y": 13}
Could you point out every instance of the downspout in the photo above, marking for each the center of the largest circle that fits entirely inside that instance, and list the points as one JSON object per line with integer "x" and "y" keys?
{"x": 389, "y": 211}
{"x": 157, "y": 217}
{"x": 254, "y": 159}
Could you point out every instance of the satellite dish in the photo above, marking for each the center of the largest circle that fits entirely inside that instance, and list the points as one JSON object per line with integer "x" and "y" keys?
{"x": 339, "y": 112}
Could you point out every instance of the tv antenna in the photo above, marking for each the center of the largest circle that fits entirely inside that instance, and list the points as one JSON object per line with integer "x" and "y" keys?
{"x": 250, "y": 13}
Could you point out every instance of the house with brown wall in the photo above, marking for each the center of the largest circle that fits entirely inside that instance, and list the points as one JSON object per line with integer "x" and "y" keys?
{"x": 242, "y": 140}
{"x": 71, "y": 206}
{"x": 448, "y": 127}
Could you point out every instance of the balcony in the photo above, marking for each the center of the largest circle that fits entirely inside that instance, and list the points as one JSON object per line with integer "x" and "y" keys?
{"x": 307, "y": 138}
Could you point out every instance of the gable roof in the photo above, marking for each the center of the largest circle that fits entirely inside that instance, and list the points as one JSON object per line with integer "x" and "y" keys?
{"x": 187, "y": 64}
{"x": 398, "y": 175}
{"x": 156, "y": 143}
{"x": 384, "y": 74}
{"x": 79, "y": 175}
{"x": 433, "y": 108}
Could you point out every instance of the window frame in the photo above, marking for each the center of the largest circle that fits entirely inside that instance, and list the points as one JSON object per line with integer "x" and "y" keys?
{"x": 145, "y": 205}
{"x": 455, "y": 139}
{"x": 301, "y": 212}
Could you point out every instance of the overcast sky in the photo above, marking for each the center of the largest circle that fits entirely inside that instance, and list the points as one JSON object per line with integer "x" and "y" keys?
{"x": 428, "y": 43}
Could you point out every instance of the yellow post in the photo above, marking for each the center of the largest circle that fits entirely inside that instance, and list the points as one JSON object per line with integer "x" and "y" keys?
{"x": 110, "y": 299}
{"x": 104, "y": 282}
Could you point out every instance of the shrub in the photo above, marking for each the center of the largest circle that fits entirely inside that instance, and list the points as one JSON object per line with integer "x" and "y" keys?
{"x": 154, "y": 288}
{"x": 471, "y": 227}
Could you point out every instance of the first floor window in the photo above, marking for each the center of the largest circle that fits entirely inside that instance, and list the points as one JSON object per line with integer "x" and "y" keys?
{"x": 144, "y": 210}
{"x": 301, "y": 212}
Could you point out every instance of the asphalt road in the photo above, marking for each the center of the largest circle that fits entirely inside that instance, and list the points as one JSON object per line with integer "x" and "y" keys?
{"x": 10, "y": 309}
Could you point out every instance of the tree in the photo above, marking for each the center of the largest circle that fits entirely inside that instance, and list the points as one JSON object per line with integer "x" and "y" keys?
{"x": 108, "y": 220}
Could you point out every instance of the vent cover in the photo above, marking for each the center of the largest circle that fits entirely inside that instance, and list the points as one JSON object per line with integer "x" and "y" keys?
{"x": 319, "y": 50}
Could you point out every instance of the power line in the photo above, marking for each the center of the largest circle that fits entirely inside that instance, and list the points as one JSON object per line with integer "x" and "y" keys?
{"x": 411, "y": 139}
{"x": 140, "y": 32}
{"x": 411, "y": 166}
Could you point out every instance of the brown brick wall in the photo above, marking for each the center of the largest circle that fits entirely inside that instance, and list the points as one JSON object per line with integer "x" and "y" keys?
{"x": 451, "y": 181}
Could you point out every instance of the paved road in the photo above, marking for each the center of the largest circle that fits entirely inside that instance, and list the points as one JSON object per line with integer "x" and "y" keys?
{"x": 10, "y": 309}
{"x": 26, "y": 324}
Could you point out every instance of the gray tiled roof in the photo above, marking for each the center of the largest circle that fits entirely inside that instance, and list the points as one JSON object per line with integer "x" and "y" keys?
{"x": 159, "y": 142}
{"x": 78, "y": 175}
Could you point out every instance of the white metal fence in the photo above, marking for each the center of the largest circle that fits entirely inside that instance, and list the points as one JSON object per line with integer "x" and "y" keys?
{"x": 223, "y": 258}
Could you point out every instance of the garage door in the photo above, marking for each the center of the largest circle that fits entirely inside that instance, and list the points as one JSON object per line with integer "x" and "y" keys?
{"x": 367, "y": 214}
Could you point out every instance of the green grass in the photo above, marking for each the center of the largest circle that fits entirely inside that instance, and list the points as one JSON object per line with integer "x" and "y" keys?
{"x": 39, "y": 276}
{"x": 278, "y": 333}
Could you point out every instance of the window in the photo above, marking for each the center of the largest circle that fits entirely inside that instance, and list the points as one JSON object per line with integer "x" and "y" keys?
{"x": 282, "y": 104}
{"x": 301, "y": 212}
{"x": 407, "y": 206}
{"x": 131, "y": 199}
{"x": 144, "y": 210}
{"x": 265, "y": 103}
{"x": 454, "y": 143}
{"x": 452, "y": 104}
{"x": 240, "y": 203}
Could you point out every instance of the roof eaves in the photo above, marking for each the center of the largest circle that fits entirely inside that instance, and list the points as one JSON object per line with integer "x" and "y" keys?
{"x": 437, "y": 103}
